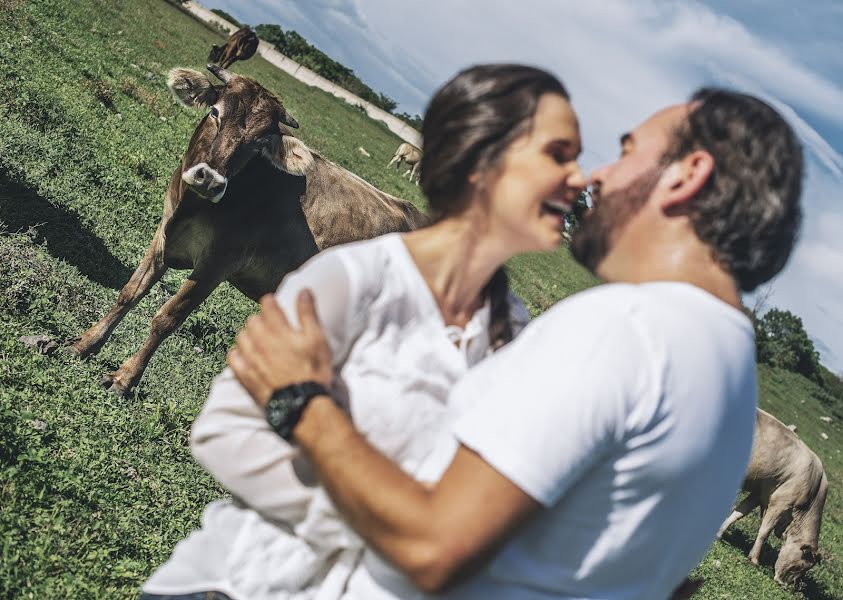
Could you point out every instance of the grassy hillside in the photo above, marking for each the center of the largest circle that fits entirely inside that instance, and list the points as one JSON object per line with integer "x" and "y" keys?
{"x": 95, "y": 490}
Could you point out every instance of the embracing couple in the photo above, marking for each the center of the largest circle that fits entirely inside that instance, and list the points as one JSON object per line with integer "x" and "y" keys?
{"x": 386, "y": 428}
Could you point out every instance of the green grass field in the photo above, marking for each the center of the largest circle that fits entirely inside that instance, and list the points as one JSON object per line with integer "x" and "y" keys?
{"x": 95, "y": 490}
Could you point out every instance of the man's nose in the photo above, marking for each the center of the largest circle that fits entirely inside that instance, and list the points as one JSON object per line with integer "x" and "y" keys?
{"x": 595, "y": 179}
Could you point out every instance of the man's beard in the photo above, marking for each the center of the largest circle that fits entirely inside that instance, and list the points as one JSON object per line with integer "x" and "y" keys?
{"x": 592, "y": 241}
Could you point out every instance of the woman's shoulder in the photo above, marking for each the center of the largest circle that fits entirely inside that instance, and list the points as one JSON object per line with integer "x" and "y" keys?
{"x": 362, "y": 260}
{"x": 371, "y": 251}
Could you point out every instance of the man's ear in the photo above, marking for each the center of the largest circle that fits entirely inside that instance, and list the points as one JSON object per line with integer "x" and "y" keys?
{"x": 291, "y": 155}
{"x": 685, "y": 177}
{"x": 191, "y": 88}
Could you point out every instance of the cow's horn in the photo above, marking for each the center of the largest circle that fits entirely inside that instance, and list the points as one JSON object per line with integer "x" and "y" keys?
{"x": 220, "y": 73}
{"x": 289, "y": 121}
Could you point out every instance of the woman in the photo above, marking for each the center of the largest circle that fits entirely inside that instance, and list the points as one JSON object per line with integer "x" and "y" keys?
{"x": 406, "y": 316}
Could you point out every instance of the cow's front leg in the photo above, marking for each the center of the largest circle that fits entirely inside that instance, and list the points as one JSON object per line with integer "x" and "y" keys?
{"x": 746, "y": 506}
{"x": 771, "y": 517}
{"x": 149, "y": 271}
{"x": 168, "y": 318}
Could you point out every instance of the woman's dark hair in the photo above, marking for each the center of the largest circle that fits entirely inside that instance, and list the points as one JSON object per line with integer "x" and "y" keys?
{"x": 748, "y": 212}
{"x": 468, "y": 125}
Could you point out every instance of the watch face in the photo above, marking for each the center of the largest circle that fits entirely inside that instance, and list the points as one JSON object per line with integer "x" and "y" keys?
{"x": 277, "y": 409}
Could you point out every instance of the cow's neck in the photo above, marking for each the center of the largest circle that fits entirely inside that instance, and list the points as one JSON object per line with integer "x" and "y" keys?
{"x": 805, "y": 527}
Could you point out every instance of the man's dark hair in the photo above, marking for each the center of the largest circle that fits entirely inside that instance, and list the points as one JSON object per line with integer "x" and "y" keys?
{"x": 748, "y": 211}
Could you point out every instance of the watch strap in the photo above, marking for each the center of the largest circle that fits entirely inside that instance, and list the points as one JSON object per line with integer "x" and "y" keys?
{"x": 286, "y": 406}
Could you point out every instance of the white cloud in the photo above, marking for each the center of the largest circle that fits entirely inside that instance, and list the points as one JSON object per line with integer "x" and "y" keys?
{"x": 823, "y": 262}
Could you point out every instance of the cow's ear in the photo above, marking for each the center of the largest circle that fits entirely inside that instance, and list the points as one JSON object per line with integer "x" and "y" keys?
{"x": 292, "y": 156}
{"x": 191, "y": 88}
{"x": 809, "y": 554}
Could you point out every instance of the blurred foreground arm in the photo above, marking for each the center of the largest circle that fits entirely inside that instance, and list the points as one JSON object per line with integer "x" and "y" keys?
{"x": 231, "y": 437}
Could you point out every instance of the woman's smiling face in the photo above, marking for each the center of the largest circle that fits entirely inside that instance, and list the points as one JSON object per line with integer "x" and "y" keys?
{"x": 537, "y": 180}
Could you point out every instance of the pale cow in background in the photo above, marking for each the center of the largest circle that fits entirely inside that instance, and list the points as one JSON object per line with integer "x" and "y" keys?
{"x": 787, "y": 480}
{"x": 409, "y": 154}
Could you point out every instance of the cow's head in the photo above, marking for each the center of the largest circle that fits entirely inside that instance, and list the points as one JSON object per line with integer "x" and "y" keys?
{"x": 215, "y": 53}
{"x": 244, "y": 120}
{"x": 794, "y": 561}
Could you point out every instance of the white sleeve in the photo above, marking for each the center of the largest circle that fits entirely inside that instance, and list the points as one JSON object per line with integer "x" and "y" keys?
{"x": 231, "y": 437}
{"x": 548, "y": 406}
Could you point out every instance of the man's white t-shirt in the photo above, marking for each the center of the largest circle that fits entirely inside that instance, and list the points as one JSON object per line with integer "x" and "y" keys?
{"x": 627, "y": 411}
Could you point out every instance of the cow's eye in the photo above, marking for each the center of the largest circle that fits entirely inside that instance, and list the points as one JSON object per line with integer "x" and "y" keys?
{"x": 215, "y": 114}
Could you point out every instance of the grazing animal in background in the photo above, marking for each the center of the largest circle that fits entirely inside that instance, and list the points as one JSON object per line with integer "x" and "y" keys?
{"x": 787, "y": 480}
{"x": 248, "y": 204}
{"x": 242, "y": 45}
{"x": 411, "y": 155}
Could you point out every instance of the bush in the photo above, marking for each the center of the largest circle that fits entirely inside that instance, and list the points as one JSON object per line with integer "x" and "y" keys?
{"x": 414, "y": 121}
{"x": 781, "y": 341}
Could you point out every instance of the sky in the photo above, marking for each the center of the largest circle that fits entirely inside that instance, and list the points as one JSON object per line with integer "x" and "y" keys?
{"x": 621, "y": 61}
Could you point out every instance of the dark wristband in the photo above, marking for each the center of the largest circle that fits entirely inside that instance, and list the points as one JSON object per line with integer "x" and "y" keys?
{"x": 286, "y": 405}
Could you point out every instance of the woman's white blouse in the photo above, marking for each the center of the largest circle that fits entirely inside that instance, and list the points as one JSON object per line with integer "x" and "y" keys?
{"x": 396, "y": 362}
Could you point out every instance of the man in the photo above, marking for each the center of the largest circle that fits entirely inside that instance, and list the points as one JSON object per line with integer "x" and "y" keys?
{"x": 596, "y": 455}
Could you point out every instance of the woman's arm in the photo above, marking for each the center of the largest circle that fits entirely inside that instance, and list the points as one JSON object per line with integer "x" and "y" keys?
{"x": 233, "y": 441}
{"x": 231, "y": 437}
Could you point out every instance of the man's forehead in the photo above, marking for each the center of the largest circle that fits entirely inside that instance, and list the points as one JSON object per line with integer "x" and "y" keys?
{"x": 667, "y": 118}
{"x": 657, "y": 126}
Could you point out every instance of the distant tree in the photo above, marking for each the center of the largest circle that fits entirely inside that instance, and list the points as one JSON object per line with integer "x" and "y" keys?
{"x": 781, "y": 341}
{"x": 833, "y": 383}
{"x": 221, "y": 13}
{"x": 386, "y": 103}
{"x": 414, "y": 121}
{"x": 290, "y": 43}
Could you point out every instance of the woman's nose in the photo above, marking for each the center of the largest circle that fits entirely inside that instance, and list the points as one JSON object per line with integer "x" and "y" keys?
{"x": 576, "y": 180}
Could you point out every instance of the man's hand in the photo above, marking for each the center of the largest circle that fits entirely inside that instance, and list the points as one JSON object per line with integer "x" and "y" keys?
{"x": 270, "y": 354}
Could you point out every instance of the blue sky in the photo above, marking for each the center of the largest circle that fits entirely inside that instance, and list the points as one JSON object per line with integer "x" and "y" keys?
{"x": 621, "y": 61}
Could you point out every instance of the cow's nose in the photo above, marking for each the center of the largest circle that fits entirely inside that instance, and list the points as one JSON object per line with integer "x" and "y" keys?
{"x": 205, "y": 181}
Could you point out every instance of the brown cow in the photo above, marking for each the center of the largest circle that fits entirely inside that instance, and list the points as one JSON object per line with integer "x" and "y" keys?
{"x": 248, "y": 204}
{"x": 242, "y": 45}
{"x": 787, "y": 480}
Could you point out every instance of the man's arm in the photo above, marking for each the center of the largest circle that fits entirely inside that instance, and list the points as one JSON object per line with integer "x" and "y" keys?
{"x": 435, "y": 535}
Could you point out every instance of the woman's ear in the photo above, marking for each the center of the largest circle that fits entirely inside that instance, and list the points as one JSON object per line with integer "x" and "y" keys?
{"x": 292, "y": 156}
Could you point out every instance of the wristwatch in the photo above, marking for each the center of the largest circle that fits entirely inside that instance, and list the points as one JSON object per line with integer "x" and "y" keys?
{"x": 287, "y": 404}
